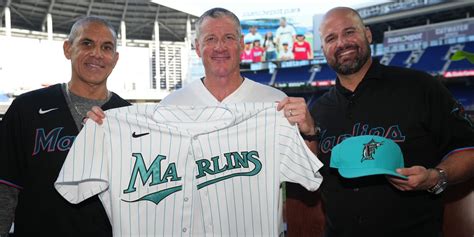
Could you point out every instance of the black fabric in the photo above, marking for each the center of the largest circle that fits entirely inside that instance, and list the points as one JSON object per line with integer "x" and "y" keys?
{"x": 414, "y": 110}
{"x": 34, "y": 146}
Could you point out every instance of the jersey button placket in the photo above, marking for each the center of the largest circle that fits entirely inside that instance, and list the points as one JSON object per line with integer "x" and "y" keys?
{"x": 350, "y": 108}
{"x": 188, "y": 192}
{"x": 206, "y": 212}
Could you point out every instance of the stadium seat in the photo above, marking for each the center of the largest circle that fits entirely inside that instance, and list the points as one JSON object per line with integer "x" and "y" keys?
{"x": 263, "y": 76}
{"x": 293, "y": 75}
{"x": 399, "y": 59}
{"x": 432, "y": 59}
{"x": 326, "y": 73}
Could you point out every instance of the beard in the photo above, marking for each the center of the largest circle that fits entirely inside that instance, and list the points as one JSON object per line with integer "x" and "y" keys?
{"x": 353, "y": 66}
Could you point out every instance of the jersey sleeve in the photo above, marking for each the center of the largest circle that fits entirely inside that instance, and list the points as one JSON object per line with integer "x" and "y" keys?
{"x": 447, "y": 120}
{"x": 85, "y": 170}
{"x": 12, "y": 147}
{"x": 298, "y": 164}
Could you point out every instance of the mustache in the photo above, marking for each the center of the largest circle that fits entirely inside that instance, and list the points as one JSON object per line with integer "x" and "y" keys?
{"x": 345, "y": 47}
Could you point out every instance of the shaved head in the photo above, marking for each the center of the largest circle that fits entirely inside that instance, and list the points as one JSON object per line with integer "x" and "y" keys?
{"x": 345, "y": 40}
{"x": 342, "y": 11}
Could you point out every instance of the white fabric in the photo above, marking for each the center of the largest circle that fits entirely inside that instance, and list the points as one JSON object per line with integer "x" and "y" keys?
{"x": 285, "y": 35}
{"x": 253, "y": 37}
{"x": 195, "y": 93}
{"x": 149, "y": 162}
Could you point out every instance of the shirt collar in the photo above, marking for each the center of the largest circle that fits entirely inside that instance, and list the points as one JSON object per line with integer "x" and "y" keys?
{"x": 373, "y": 73}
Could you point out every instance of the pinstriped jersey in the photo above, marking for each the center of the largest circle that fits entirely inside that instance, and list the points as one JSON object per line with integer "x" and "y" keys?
{"x": 147, "y": 163}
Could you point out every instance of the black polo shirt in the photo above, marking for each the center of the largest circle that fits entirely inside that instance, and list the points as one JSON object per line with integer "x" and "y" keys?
{"x": 419, "y": 114}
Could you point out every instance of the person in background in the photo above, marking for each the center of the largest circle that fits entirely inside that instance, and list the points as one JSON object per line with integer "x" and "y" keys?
{"x": 254, "y": 35}
{"x": 410, "y": 107}
{"x": 285, "y": 53}
{"x": 257, "y": 52}
{"x": 39, "y": 128}
{"x": 270, "y": 47}
{"x": 285, "y": 33}
{"x": 301, "y": 48}
{"x": 246, "y": 56}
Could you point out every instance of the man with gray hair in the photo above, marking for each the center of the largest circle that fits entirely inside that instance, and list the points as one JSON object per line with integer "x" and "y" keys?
{"x": 249, "y": 211}
{"x": 39, "y": 128}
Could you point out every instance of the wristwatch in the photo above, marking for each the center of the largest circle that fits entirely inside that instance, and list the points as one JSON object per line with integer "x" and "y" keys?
{"x": 315, "y": 136}
{"x": 442, "y": 182}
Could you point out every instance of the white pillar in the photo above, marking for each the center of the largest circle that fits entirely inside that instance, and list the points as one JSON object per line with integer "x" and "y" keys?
{"x": 123, "y": 33}
{"x": 156, "y": 29}
{"x": 8, "y": 22}
{"x": 49, "y": 20}
{"x": 186, "y": 59}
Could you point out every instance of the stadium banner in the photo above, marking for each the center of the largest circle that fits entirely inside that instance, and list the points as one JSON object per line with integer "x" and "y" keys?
{"x": 424, "y": 34}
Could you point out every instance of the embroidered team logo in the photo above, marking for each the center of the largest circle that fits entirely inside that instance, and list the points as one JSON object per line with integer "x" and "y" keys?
{"x": 213, "y": 170}
{"x": 369, "y": 150}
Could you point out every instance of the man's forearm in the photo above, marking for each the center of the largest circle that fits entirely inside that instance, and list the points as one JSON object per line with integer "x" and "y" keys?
{"x": 459, "y": 166}
{"x": 8, "y": 201}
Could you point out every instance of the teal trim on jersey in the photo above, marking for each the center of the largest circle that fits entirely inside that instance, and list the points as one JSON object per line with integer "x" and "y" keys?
{"x": 156, "y": 197}
{"x": 367, "y": 155}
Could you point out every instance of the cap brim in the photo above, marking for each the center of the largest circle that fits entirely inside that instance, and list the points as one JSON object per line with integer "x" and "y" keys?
{"x": 358, "y": 172}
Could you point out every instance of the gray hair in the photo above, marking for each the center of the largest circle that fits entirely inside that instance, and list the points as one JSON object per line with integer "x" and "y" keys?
{"x": 81, "y": 22}
{"x": 218, "y": 13}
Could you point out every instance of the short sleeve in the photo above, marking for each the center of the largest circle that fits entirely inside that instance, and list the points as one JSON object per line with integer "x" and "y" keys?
{"x": 85, "y": 170}
{"x": 298, "y": 164}
{"x": 12, "y": 147}
{"x": 447, "y": 120}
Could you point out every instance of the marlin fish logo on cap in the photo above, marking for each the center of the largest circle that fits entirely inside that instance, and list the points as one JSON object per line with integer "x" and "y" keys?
{"x": 367, "y": 155}
{"x": 369, "y": 150}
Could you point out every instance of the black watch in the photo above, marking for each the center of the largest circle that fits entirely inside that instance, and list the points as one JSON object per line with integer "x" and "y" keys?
{"x": 442, "y": 182}
{"x": 315, "y": 137}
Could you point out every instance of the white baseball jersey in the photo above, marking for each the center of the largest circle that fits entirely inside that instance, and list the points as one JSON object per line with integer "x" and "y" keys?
{"x": 148, "y": 162}
{"x": 196, "y": 94}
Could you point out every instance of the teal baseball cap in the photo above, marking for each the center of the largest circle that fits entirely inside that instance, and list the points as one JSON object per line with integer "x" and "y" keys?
{"x": 367, "y": 155}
